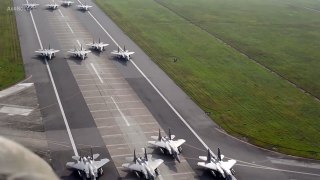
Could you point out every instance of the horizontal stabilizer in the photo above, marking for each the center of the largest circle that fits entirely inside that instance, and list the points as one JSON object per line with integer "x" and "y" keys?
{"x": 222, "y": 156}
{"x": 154, "y": 137}
{"x": 77, "y": 158}
{"x": 129, "y": 159}
{"x": 95, "y": 156}
{"x": 229, "y": 164}
{"x": 204, "y": 158}
{"x": 70, "y": 164}
{"x": 126, "y": 165}
{"x": 211, "y": 166}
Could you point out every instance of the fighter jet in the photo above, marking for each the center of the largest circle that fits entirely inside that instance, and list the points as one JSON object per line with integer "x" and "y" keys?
{"x": 167, "y": 145}
{"x": 97, "y": 45}
{"x": 30, "y": 6}
{"x": 125, "y": 54}
{"x": 88, "y": 167}
{"x": 49, "y": 53}
{"x": 143, "y": 167}
{"x": 66, "y": 3}
{"x": 217, "y": 166}
{"x": 81, "y": 53}
{"x": 84, "y": 7}
{"x": 52, "y": 5}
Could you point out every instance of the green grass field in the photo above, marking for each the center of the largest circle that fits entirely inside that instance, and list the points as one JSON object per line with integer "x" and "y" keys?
{"x": 244, "y": 98}
{"x": 11, "y": 66}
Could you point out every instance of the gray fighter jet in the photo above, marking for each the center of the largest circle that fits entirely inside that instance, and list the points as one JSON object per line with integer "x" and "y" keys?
{"x": 143, "y": 167}
{"x": 97, "y": 45}
{"x": 84, "y": 7}
{"x": 88, "y": 167}
{"x": 167, "y": 145}
{"x": 52, "y": 5}
{"x": 49, "y": 53}
{"x": 124, "y": 54}
{"x": 81, "y": 53}
{"x": 66, "y": 3}
{"x": 30, "y": 6}
{"x": 217, "y": 166}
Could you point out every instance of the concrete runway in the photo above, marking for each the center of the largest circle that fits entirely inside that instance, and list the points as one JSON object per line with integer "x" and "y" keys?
{"x": 110, "y": 106}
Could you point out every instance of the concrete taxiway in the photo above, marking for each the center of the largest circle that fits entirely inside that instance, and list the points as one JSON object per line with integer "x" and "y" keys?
{"x": 115, "y": 106}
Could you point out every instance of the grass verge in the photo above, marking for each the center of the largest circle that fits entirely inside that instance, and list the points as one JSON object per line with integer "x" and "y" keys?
{"x": 244, "y": 98}
{"x": 11, "y": 65}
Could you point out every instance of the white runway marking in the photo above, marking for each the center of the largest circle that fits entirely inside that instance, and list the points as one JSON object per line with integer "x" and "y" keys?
{"x": 78, "y": 42}
{"x": 70, "y": 27}
{"x": 136, "y": 124}
{"x": 60, "y": 12}
{"x": 123, "y": 109}
{"x": 16, "y": 110}
{"x": 276, "y": 169}
{"x": 55, "y": 91}
{"x": 95, "y": 70}
{"x": 294, "y": 163}
{"x": 88, "y": 97}
{"x": 123, "y": 116}
{"x": 14, "y": 89}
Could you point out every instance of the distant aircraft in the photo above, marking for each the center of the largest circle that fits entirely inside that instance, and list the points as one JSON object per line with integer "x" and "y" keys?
{"x": 52, "y": 6}
{"x": 216, "y": 165}
{"x": 167, "y": 145}
{"x": 97, "y": 45}
{"x": 125, "y": 54}
{"x": 67, "y": 3}
{"x": 84, "y": 7}
{"x": 49, "y": 53}
{"x": 88, "y": 167}
{"x": 143, "y": 166}
{"x": 81, "y": 53}
{"x": 30, "y": 6}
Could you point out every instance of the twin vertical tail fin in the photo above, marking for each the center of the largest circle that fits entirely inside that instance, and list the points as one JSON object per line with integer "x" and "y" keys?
{"x": 134, "y": 155}
{"x": 219, "y": 154}
{"x": 145, "y": 154}
{"x": 209, "y": 156}
{"x": 159, "y": 136}
{"x": 91, "y": 154}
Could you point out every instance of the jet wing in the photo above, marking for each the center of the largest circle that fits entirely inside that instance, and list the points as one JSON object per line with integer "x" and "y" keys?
{"x": 132, "y": 166}
{"x": 178, "y": 142}
{"x": 86, "y": 51}
{"x": 116, "y": 53}
{"x": 158, "y": 143}
{"x": 155, "y": 164}
{"x": 99, "y": 164}
{"x": 129, "y": 53}
{"x": 77, "y": 165}
{"x": 228, "y": 164}
{"x": 203, "y": 158}
{"x": 54, "y": 51}
{"x": 73, "y": 51}
{"x": 40, "y": 51}
{"x": 211, "y": 165}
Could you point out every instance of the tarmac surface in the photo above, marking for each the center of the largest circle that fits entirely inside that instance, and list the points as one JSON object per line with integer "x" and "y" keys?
{"x": 112, "y": 107}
